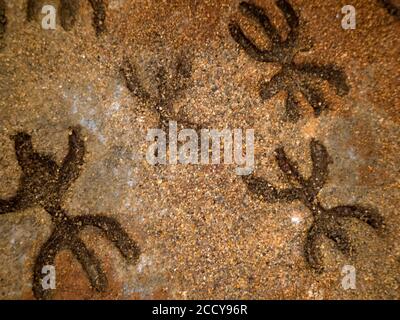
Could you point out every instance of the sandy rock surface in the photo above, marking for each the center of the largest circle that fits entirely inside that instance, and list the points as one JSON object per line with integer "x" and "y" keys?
{"x": 97, "y": 83}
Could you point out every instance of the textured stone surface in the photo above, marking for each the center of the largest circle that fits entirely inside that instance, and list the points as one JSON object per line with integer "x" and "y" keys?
{"x": 201, "y": 232}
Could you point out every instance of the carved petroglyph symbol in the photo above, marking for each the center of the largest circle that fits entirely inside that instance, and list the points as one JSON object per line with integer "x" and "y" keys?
{"x": 327, "y": 222}
{"x": 43, "y": 183}
{"x": 293, "y": 77}
{"x": 170, "y": 86}
{"x": 68, "y": 12}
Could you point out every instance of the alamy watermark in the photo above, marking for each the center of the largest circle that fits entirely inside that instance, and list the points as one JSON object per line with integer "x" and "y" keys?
{"x": 349, "y": 277}
{"x": 49, "y": 20}
{"x": 49, "y": 280}
{"x": 349, "y": 18}
{"x": 189, "y": 146}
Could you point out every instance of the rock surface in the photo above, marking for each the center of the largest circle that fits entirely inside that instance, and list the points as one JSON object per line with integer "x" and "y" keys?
{"x": 202, "y": 233}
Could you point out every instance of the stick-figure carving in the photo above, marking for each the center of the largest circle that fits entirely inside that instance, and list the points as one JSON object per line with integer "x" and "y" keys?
{"x": 3, "y": 21}
{"x": 43, "y": 183}
{"x": 305, "y": 78}
{"x": 169, "y": 88}
{"x": 327, "y": 222}
{"x": 69, "y": 11}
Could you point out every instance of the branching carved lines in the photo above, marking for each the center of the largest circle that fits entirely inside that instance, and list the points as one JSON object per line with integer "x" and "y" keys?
{"x": 69, "y": 11}
{"x": 169, "y": 88}
{"x": 43, "y": 183}
{"x": 305, "y": 78}
{"x": 327, "y": 222}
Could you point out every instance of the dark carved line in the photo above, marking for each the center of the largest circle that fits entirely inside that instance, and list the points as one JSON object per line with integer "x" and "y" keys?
{"x": 3, "y": 22}
{"x": 68, "y": 13}
{"x": 99, "y": 15}
{"x": 31, "y": 9}
{"x": 391, "y": 8}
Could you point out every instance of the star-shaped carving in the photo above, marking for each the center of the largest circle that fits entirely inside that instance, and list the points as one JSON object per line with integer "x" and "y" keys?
{"x": 327, "y": 222}
{"x": 43, "y": 183}
{"x": 305, "y": 78}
